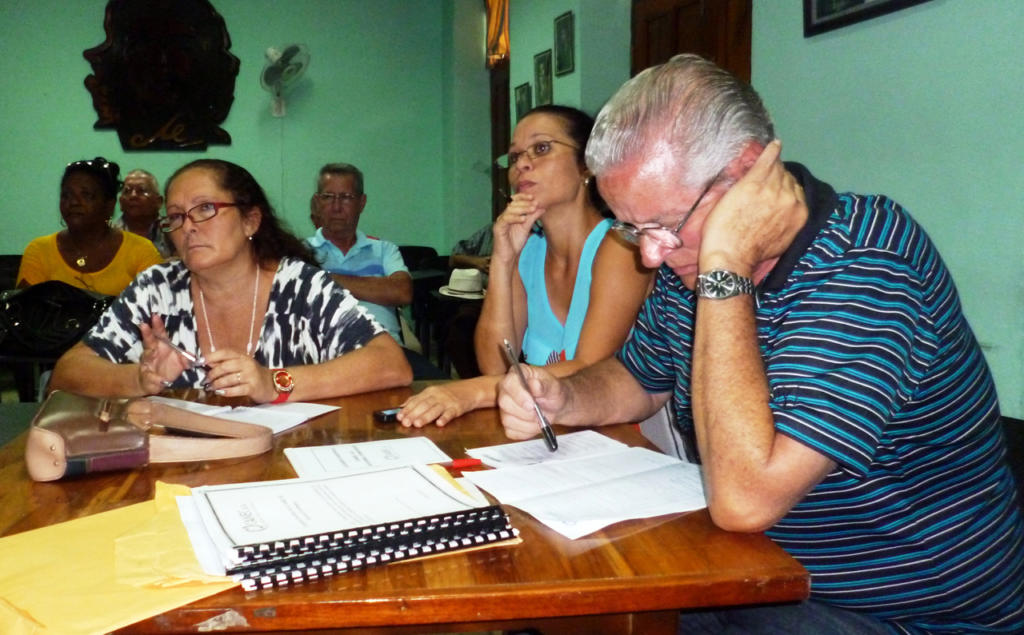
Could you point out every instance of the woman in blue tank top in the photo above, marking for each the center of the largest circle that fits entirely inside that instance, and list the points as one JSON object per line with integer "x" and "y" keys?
{"x": 562, "y": 289}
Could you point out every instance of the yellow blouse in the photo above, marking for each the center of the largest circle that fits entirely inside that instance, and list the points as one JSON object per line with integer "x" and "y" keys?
{"x": 42, "y": 261}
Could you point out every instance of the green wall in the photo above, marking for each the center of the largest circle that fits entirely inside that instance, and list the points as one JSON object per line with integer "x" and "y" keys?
{"x": 394, "y": 86}
{"x": 602, "y": 48}
{"x": 923, "y": 105}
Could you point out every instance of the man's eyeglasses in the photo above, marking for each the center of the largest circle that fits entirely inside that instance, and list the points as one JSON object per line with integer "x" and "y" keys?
{"x": 664, "y": 236}
{"x": 534, "y": 151}
{"x": 136, "y": 191}
{"x": 341, "y": 197}
{"x": 198, "y": 214}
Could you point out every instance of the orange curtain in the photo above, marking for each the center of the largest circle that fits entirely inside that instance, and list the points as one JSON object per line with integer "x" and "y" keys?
{"x": 497, "y": 31}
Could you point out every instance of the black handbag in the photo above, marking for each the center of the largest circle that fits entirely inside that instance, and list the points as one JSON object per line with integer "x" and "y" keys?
{"x": 46, "y": 319}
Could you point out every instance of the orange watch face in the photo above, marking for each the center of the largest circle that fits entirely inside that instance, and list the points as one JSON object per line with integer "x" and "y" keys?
{"x": 283, "y": 381}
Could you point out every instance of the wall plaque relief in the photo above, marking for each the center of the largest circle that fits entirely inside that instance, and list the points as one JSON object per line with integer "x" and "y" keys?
{"x": 165, "y": 77}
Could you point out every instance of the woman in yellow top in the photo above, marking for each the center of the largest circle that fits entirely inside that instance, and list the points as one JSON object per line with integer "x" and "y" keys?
{"x": 89, "y": 253}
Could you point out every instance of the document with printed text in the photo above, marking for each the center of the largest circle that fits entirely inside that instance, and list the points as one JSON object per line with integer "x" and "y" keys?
{"x": 570, "y": 446}
{"x": 578, "y": 496}
{"x": 261, "y": 513}
{"x": 345, "y": 458}
{"x": 277, "y": 417}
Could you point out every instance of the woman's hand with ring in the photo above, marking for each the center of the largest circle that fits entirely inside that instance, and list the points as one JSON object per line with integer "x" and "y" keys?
{"x": 234, "y": 374}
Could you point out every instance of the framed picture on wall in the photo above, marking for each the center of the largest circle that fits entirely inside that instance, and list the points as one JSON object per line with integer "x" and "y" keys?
{"x": 565, "y": 44}
{"x": 524, "y": 100}
{"x": 542, "y": 76}
{"x": 826, "y": 15}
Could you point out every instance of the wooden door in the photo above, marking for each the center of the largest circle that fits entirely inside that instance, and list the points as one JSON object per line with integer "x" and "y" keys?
{"x": 501, "y": 134}
{"x": 716, "y": 29}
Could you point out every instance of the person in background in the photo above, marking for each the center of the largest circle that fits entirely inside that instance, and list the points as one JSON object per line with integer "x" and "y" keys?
{"x": 140, "y": 210}
{"x": 88, "y": 253}
{"x": 370, "y": 268}
{"x": 245, "y": 302}
{"x": 562, "y": 288}
{"x": 474, "y": 252}
{"x": 815, "y": 343}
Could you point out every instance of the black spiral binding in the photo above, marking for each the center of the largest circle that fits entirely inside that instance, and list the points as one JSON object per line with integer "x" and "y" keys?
{"x": 307, "y": 558}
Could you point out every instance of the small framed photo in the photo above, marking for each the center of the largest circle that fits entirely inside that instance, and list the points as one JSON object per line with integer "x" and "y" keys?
{"x": 826, "y": 15}
{"x": 524, "y": 100}
{"x": 542, "y": 77}
{"x": 565, "y": 44}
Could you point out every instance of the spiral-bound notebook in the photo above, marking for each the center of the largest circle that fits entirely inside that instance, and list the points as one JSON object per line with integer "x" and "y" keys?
{"x": 277, "y": 533}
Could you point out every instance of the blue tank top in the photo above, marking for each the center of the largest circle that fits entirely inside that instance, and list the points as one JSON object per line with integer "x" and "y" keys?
{"x": 546, "y": 339}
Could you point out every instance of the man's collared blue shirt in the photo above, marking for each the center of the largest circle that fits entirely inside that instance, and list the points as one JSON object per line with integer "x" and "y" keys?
{"x": 368, "y": 257}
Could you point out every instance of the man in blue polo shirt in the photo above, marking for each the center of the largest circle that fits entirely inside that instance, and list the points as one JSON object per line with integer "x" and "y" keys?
{"x": 814, "y": 343}
{"x": 370, "y": 268}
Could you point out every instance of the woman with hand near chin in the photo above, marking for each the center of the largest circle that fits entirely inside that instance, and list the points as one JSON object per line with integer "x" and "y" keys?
{"x": 562, "y": 289}
{"x": 245, "y": 312}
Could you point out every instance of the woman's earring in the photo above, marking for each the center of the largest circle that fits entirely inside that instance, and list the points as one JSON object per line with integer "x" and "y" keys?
{"x": 587, "y": 180}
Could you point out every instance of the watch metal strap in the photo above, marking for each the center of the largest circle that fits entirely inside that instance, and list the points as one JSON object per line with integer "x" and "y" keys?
{"x": 719, "y": 284}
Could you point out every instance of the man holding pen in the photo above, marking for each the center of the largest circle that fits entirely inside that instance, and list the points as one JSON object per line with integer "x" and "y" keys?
{"x": 814, "y": 343}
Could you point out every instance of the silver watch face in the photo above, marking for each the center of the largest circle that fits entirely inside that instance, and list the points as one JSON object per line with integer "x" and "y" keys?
{"x": 719, "y": 284}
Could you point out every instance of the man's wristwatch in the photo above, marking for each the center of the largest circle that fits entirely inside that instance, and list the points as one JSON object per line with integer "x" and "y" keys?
{"x": 284, "y": 384}
{"x": 719, "y": 284}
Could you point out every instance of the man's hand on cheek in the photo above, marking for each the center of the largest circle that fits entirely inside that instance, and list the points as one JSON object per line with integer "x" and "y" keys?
{"x": 756, "y": 219}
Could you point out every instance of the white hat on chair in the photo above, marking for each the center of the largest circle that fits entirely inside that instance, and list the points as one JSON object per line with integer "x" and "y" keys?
{"x": 465, "y": 283}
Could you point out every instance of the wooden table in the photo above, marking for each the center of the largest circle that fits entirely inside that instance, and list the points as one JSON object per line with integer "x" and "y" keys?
{"x": 629, "y": 578}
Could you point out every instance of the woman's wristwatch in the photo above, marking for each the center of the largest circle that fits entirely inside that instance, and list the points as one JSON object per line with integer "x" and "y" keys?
{"x": 284, "y": 384}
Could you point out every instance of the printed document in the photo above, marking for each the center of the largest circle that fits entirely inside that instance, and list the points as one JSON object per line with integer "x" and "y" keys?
{"x": 570, "y": 446}
{"x": 345, "y": 458}
{"x": 241, "y": 514}
{"x": 578, "y": 496}
{"x": 277, "y": 417}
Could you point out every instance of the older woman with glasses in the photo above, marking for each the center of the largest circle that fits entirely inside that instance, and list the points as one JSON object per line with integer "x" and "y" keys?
{"x": 563, "y": 289}
{"x": 244, "y": 313}
{"x": 88, "y": 253}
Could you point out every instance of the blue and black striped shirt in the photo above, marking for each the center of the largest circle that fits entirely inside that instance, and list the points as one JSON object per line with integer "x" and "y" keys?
{"x": 871, "y": 362}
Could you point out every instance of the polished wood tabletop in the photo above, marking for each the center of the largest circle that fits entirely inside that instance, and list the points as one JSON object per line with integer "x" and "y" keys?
{"x": 631, "y": 577}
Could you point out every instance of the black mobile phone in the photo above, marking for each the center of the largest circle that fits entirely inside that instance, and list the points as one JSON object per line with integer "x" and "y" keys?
{"x": 388, "y": 415}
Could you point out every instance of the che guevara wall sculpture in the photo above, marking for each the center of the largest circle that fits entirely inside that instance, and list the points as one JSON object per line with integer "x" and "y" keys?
{"x": 165, "y": 77}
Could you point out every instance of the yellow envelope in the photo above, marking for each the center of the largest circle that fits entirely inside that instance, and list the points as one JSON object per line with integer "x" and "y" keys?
{"x": 102, "y": 572}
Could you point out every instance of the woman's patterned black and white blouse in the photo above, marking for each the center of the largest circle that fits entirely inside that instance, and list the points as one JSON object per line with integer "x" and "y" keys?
{"x": 309, "y": 320}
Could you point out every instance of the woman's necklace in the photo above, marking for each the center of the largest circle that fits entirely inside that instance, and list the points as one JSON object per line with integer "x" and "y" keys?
{"x": 252, "y": 318}
{"x": 82, "y": 258}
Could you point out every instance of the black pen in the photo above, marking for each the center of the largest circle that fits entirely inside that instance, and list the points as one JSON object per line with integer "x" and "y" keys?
{"x": 545, "y": 425}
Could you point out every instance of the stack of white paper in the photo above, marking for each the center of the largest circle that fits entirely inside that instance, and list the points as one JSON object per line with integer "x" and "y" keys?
{"x": 577, "y": 496}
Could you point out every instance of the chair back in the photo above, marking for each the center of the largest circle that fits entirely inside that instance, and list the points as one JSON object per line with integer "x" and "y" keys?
{"x": 415, "y": 255}
{"x": 9, "y": 265}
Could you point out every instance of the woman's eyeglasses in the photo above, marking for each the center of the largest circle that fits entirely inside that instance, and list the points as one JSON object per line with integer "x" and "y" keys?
{"x": 198, "y": 214}
{"x": 534, "y": 151}
{"x": 667, "y": 237}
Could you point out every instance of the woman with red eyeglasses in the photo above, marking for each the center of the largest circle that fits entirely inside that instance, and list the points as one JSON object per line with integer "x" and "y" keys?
{"x": 562, "y": 289}
{"x": 244, "y": 312}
